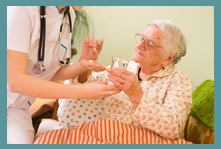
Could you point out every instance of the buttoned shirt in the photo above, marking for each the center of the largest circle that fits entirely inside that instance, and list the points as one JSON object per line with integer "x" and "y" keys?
{"x": 164, "y": 107}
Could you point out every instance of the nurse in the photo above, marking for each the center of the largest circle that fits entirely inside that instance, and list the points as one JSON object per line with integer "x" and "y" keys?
{"x": 24, "y": 84}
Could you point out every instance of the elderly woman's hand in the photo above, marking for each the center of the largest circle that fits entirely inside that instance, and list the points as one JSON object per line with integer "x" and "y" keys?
{"x": 91, "y": 48}
{"x": 127, "y": 82}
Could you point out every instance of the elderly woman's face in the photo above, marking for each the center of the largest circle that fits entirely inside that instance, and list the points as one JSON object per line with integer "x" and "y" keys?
{"x": 152, "y": 56}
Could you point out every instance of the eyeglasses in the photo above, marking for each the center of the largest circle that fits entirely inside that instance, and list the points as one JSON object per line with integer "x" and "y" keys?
{"x": 148, "y": 43}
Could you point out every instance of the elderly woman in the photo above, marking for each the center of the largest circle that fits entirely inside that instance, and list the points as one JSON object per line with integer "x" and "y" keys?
{"x": 156, "y": 95}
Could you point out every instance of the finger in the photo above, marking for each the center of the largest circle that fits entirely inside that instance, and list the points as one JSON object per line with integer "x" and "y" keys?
{"x": 108, "y": 70}
{"x": 99, "y": 67}
{"x": 91, "y": 38}
{"x": 111, "y": 87}
{"x": 122, "y": 73}
{"x": 113, "y": 92}
{"x": 95, "y": 43}
{"x": 119, "y": 73}
{"x": 116, "y": 83}
{"x": 95, "y": 64}
{"x": 113, "y": 77}
{"x": 100, "y": 42}
{"x": 102, "y": 67}
{"x": 96, "y": 69}
{"x": 101, "y": 82}
{"x": 86, "y": 40}
{"x": 99, "y": 45}
{"x": 95, "y": 46}
{"x": 116, "y": 70}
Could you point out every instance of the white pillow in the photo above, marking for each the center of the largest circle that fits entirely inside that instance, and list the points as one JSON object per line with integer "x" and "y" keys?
{"x": 48, "y": 124}
{"x": 73, "y": 112}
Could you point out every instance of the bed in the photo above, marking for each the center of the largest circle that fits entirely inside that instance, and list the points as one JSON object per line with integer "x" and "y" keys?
{"x": 54, "y": 128}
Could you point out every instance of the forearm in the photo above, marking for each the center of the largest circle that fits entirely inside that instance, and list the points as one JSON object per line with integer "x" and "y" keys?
{"x": 136, "y": 98}
{"x": 35, "y": 87}
{"x": 20, "y": 82}
{"x": 82, "y": 78}
{"x": 68, "y": 72}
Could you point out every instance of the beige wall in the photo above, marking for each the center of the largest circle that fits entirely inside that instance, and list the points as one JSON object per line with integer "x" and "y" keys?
{"x": 117, "y": 25}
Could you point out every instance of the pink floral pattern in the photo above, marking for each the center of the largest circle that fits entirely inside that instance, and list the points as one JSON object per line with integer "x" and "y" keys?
{"x": 164, "y": 107}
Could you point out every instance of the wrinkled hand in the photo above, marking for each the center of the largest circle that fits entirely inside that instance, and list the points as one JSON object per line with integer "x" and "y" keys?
{"x": 127, "y": 82}
{"x": 92, "y": 65}
{"x": 91, "y": 48}
{"x": 98, "y": 90}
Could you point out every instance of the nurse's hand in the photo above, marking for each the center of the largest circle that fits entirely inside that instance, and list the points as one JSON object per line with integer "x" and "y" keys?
{"x": 91, "y": 48}
{"x": 98, "y": 90}
{"x": 91, "y": 65}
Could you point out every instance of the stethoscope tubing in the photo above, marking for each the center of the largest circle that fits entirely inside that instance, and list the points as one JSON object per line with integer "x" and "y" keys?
{"x": 39, "y": 66}
{"x": 41, "y": 49}
{"x": 61, "y": 59}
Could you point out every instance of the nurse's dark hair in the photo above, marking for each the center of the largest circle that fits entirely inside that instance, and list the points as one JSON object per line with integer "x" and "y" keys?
{"x": 66, "y": 10}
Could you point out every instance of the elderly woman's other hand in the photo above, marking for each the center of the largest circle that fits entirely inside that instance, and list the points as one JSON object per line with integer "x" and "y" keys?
{"x": 128, "y": 83}
{"x": 91, "y": 48}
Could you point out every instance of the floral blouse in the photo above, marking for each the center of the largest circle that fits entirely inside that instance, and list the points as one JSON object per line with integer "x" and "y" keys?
{"x": 164, "y": 107}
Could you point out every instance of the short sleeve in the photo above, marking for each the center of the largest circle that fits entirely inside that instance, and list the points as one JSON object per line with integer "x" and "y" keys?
{"x": 18, "y": 28}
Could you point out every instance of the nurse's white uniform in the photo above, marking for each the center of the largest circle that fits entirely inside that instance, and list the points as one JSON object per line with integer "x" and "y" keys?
{"x": 23, "y": 34}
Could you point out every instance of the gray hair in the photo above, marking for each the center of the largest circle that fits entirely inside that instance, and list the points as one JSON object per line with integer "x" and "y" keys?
{"x": 173, "y": 42}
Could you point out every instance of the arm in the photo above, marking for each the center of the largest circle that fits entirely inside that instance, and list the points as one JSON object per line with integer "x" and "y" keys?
{"x": 20, "y": 82}
{"x": 74, "y": 70}
{"x": 67, "y": 72}
{"x": 18, "y": 39}
{"x": 90, "y": 51}
{"x": 83, "y": 67}
{"x": 168, "y": 118}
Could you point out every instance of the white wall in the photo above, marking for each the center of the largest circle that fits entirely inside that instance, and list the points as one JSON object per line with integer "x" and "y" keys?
{"x": 117, "y": 25}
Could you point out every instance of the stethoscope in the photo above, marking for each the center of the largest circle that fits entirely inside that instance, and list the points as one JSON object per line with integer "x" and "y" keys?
{"x": 39, "y": 66}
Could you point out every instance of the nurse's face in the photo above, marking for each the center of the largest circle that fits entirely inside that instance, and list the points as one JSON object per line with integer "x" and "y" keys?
{"x": 77, "y": 7}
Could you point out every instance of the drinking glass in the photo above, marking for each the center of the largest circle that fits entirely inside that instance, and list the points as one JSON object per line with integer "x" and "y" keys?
{"x": 118, "y": 62}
